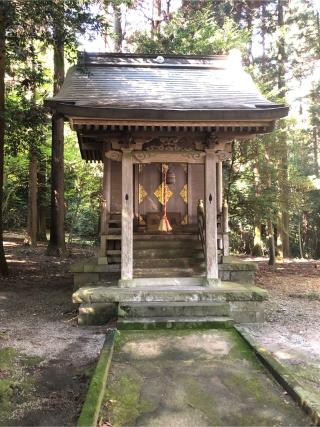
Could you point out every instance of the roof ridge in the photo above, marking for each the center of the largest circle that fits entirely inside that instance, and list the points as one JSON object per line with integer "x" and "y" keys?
{"x": 152, "y": 60}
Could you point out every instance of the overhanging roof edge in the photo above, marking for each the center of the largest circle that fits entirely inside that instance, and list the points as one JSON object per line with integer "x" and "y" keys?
{"x": 264, "y": 113}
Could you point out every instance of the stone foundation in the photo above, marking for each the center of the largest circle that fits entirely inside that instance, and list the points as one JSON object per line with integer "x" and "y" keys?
{"x": 231, "y": 270}
{"x": 96, "y": 313}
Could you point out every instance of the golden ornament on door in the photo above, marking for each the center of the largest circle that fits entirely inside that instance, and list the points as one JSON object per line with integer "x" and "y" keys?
{"x": 161, "y": 190}
{"x": 184, "y": 193}
{"x": 142, "y": 193}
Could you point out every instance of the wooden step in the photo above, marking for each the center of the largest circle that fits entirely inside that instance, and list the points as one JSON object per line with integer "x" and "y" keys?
{"x": 163, "y": 262}
{"x": 114, "y": 221}
{"x": 115, "y": 215}
{"x": 113, "y": 252}
{"x": 113, "y": 237}
{"x": 166, "y": 244}
{"x": 165, "y": 237}
{"x": 168, "y": 272}
{"x": 168, "y": 253}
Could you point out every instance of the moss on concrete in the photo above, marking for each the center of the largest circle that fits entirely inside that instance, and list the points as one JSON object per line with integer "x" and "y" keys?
{"x": 15, "y": 380}
{"x": 168, "y": 377}
{"x": 123, "y": 401}
{"x": 90, "y": 410}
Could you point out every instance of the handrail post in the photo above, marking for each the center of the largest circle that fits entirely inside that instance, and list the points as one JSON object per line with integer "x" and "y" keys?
{"x": 225, "y": 228}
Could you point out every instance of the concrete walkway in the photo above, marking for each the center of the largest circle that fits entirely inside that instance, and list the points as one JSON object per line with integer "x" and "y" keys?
{"x": 192, "y": 378}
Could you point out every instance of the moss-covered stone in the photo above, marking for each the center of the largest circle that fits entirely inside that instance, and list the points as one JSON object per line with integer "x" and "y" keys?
{"x": 123, "y": 400}
{"x": 16, "y": 381}
{"x": 90, "y": 410}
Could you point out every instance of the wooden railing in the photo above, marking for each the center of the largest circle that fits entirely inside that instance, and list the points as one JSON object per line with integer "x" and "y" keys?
{"x": 223, "y": 228}
{"x": 201, "y": 224}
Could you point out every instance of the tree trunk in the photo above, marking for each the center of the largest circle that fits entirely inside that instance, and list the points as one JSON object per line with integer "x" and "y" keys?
{"x": 283, "y": 146}
{"x": 32, "y": 200}
{"x": 299, "y": 237}
{"x": 56, "y": 245}
{"x": 315, "y": 151}
{"x": 118, "y": 36}
{"x": 156, "y": 16}
{"x": 272, "y": 253}
{"x": 257, "y": 242}
{"x": 42, "y": 206}
{"x": 3, "y": 263}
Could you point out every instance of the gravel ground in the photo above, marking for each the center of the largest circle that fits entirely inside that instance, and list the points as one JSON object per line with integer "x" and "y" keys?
{"x": 37, "y": 318}
{"x": 291, "y": 331}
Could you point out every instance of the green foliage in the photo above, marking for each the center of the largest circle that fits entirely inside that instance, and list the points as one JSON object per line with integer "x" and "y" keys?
{"x": 192, "y": 32}
{"x": 83, "y": 189}
{"x": 15, "y": 191}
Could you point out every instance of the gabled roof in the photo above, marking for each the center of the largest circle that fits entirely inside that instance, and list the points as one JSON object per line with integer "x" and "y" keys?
{"x": 164, "y": 88}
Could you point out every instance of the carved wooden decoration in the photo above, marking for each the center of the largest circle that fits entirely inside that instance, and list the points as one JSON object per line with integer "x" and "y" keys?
{"x": 170, "y": 144}
{"x": 168, "y": 157}
{"x": 114, "y": 155}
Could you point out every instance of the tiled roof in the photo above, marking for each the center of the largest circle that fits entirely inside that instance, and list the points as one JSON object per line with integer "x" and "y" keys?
{"x": 131, "y": 83}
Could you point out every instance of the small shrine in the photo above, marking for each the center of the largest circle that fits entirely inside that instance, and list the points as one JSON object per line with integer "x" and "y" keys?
{"x": 162, "y": 126}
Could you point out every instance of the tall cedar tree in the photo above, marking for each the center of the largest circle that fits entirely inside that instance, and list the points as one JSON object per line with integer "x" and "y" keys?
{"x": 3, "y": 8}
{"x": 57, "y": 234}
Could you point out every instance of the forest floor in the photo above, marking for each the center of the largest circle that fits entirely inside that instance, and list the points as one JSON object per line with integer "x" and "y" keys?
{"x": 46, "y": 359}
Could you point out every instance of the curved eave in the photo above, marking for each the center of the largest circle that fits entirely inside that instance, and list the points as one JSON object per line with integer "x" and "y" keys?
{"x": 145, "y": 114}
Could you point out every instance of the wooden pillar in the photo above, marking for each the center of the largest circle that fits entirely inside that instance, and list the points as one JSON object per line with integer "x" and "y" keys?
{"x": 219, "y": 187}
{"x": 211, "y": 217}
{"x": 105, "y": 208}
{"x": 127, "y": 216}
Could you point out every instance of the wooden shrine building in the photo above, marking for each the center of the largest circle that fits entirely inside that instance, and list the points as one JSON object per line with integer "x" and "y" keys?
{"x": 162, "y": 126}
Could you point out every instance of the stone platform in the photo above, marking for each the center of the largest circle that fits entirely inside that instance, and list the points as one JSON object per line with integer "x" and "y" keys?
{"x": 101, "y": 301}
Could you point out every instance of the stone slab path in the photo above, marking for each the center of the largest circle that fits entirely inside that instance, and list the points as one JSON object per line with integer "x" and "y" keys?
{"x": 192, "y": 378}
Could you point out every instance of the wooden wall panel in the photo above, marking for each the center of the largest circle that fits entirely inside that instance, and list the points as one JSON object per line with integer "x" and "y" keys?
{"x": 116, "y": 181}
{"x": 195, "y": 189}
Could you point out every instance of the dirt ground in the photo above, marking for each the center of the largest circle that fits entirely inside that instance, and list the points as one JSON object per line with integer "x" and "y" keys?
{"x": 37, "y": 319}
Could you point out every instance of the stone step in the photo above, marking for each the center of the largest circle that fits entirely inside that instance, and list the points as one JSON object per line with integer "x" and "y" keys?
{"x": 163, "y": 282}
{"x": 182, "y": 289}
{"x": 205, "y": 322}
{"x": 182, "y": 252}
{"x": 166, "y": 244}
{"x": 149, "y": 263}
{"x": 173, "y": 309}
{"x": 169, "y": 272}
